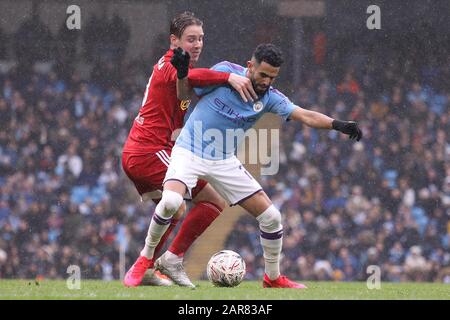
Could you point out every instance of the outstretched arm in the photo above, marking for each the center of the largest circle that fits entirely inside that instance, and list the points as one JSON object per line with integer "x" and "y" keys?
{"x": 312, "y": 119}
{"x": 200, "y": 77}
{"x": 318, "y": 120}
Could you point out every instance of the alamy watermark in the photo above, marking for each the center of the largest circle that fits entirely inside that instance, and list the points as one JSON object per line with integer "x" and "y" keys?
{"x": 74, "y": 280}
{"x": 262, "y": 145}
{"x": 374, "y": 20}
{"x": 374, "y": 280}
{"x": 73, "y": 21}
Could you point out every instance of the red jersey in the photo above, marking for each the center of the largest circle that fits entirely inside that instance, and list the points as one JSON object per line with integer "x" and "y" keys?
{"x": 162, "y": 112}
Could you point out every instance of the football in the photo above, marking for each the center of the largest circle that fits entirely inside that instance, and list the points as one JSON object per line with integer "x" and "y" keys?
{"x": 226, "y": 268}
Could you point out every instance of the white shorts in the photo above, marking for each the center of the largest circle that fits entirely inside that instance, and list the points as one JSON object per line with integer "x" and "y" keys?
{"x": 228, "y": 177}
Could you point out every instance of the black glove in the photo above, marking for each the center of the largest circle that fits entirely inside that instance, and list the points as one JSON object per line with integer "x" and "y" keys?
{"x": 180, "y": 60}
{"x": 348, "y": 127}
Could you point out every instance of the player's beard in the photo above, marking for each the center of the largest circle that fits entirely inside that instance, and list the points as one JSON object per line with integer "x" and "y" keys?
{"x": 258, "y": 89}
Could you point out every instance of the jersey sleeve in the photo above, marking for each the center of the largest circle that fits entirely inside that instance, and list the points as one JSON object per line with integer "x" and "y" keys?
{"x": 280, "y": 104}
{"x": 202, "y": 77}
{"x": 223, "y": 67}
{"x": 198, "y": 77}
{"x": 170, "y": 73}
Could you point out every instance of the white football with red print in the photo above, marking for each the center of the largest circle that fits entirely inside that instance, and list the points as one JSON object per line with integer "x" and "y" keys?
{"x": 226, "y": 268}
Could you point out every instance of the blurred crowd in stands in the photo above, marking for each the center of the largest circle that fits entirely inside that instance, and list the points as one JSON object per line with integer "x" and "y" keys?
{"x": 382, "y": 201}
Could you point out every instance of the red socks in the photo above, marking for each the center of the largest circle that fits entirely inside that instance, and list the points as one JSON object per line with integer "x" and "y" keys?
{"x": 195, "y": 223}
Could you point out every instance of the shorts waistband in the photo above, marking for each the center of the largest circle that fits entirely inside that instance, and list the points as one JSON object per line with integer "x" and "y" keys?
{"x": 196, "y": 158}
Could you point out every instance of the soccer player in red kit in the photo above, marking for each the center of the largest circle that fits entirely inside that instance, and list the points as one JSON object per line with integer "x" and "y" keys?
{"x": 147, "y": 151}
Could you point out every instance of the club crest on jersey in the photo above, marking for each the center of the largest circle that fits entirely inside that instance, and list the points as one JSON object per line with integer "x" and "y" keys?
{"x": 258, "y": 106}
{"x": 185, "y": 104}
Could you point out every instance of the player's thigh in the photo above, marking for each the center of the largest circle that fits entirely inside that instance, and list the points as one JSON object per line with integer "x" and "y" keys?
{"x": 183, "y": 172}
{"x": 232, "y": 181}
{"x": 147, "y": 172}
{"x": 257, "y": 203}
{"x": 207, "y": 193}
{"x": 175, "y": 186}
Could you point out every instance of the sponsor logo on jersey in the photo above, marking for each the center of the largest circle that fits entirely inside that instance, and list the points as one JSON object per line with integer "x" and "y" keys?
{"x": 185, "y": 104}
{"x": 231, "y": 114}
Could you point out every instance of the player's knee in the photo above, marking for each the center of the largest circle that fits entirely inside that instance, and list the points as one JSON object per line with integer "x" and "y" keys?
{"x": 170, "y": 203}
{"x": 219, "y": 203}
{"x": 180, "y": 211}
{"x": 270, "y": 220}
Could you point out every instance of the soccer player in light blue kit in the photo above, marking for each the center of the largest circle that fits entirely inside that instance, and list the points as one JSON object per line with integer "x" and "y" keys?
{"x": 206, "y": 149}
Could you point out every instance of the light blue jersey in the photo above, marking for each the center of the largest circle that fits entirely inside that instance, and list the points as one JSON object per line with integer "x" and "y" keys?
{"x": 217, "y": 125}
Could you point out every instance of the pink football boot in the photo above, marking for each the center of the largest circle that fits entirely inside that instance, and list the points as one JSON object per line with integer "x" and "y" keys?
{"x": 281, "y": 282}
{"x": 134, "y": 276}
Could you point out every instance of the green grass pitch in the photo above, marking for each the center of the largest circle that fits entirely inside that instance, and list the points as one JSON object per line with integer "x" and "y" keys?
{"x": 248, "y": 290}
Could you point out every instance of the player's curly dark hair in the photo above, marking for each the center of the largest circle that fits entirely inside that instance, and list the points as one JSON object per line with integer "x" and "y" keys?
{"x": 182, "y": 21}
{"x": 269, "y": 53}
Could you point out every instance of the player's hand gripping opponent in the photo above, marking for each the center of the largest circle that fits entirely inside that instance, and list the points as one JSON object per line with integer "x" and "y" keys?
{"x": 243, "y": 85}
{"x": 180, "y": 60}
{"x": 348, "y": 127}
